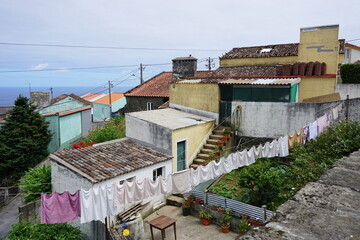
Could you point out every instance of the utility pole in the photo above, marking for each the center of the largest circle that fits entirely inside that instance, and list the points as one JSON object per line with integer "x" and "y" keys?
{"x": 210, "y": 63}
{"x": 110, "y": 99}
{"x": 51, "y": 93}
{"x": 141, "y": 74}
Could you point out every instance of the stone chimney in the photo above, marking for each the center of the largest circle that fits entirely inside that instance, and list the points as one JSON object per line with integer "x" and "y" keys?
{"x": 184, "y": 67}
{"x": 40, "y": 99}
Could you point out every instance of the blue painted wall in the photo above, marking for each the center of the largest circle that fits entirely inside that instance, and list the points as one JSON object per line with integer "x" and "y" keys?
{"x": 65, "y": 104}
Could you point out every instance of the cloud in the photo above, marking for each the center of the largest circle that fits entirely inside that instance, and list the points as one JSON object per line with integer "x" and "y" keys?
{"x": 40, "y": 66}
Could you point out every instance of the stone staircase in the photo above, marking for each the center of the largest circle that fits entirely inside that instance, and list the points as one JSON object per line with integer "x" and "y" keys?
{"x": 208, "y": 147}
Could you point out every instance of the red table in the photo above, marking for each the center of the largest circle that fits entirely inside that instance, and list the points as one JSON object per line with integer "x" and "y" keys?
{"x": 162, "y": 223}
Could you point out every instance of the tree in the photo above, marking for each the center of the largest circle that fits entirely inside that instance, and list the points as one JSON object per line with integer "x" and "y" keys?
{"x": 23, "y": 139}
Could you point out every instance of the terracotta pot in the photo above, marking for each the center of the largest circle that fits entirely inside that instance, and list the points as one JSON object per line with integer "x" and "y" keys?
{"x": 225, "y": 229}
{"x": 205, "y": 221}
{"x": 198, "y": 201}
{"x": 227, "y": 135}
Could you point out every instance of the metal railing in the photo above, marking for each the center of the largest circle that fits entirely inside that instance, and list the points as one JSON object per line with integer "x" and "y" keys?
{"x": 256, "y": 213}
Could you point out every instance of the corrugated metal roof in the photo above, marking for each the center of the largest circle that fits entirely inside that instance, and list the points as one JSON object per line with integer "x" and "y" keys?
{"x": 262, "y": 81}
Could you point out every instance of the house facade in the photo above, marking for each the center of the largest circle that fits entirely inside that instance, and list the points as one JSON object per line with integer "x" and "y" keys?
{"x": 171, "y": 131}
{"x": 69, "y": 118}
{"x": 105, "y": 164}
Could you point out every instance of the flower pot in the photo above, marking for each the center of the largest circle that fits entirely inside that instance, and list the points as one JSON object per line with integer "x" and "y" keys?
{"x": 198, "y": 201}
{"x": 225, "y": 229}
{"x": 227, "y": 135}
{"x": 205, "y": 222}
{"x": 186, "y": 211}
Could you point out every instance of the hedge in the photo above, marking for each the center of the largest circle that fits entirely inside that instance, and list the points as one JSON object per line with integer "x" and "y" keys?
{"x": 350, "y": 73}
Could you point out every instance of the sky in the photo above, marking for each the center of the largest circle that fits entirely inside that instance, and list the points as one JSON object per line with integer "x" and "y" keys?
{"x": 195, "y": 26}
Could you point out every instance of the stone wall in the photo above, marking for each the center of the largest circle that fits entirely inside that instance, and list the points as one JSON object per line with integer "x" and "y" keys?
{"x": 135, "y": 104}
{"x": 30, "y": 212}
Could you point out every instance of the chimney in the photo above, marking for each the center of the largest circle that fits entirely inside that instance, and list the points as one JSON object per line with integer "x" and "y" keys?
{"x": 184, "y": 67}
{"x": 40, "y": 99}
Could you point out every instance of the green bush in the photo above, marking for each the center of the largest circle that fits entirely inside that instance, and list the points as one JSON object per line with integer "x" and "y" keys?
{"x": 114, "y": 129}
{"x": 273, "y": 181}
{"x": 37, "y": 180}
{"x": 59, "y": 231}
{"x": 350, "y": 73}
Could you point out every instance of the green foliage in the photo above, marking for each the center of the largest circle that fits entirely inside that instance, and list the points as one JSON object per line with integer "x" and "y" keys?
{"x": 350, "y": 73}
{"x": 205, "y": 214}
{"x": 114, "y": 129}
{"x": 226, "y": 219}
{"x": 36, "y": 181}
{"x": 59, "y": 231}
{"x": 273, "y": 181}
{"x": 23, "y": 139}
{"x": 244, "y": 226}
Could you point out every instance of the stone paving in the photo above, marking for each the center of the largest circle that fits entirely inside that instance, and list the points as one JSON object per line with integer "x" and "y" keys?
{"x": 188, "y": 227}
{"x": 326, "y": 209}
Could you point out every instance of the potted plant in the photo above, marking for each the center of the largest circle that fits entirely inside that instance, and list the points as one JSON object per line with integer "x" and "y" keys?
{"x": 227, "y": 133}
{"x": 186, "y": 207}
{"x": 226, "y": 221}
{"x": 244, "y": 226}
{"x": 211, "y": 156}
{"x": 221, "y": 209}
{"x": 190, "y": 197}
{"x": 205, "y": 217}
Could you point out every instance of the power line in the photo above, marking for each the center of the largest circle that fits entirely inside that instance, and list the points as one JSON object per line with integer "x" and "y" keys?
{"x": 108, "y": 47}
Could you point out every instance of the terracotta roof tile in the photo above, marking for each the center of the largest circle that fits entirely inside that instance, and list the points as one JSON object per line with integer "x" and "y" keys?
{"x": 105, "y": 99}
{"x": 279, "y": 50}
{"x": 90, "y": 96}
{"x": 67, "y": 112}
{"x": 158, "y": 86}
{"x": 108, "y": 160}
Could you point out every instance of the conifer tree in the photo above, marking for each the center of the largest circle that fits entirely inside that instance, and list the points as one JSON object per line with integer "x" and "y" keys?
{"x": 23, "y": 139}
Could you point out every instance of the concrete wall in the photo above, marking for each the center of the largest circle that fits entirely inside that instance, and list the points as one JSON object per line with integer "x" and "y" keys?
{"x": 100, "y": 112}
{"x": 149, "y": 134}
{"x": 54, "y": 127}
{"x": 353, "y": 90}
{"x": 310, "y": 87}
{"x": 354, "y": 55}
{"x": 257, "y": 61}
{"x": 30, "y": 212}
{"x": 320, "y": 44}
{"x": 70, "y": 129}
{"x": 200, "y": 96}
{"x": 86, "y": 122}
{"x": 135, "y": 104}
{"x": 265, "y": 119}
{"x": 194, "y": 137}
{"x": 64, "y": 104}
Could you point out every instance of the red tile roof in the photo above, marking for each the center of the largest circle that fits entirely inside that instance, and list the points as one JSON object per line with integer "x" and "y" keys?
{"x": 157, "y": 86}
{"x": 90, "y": 96}
{"x": 279, "y": 50}
{"x": 67, "y": 112}
{"x": 114, "y": 98}
{"x": 108, "y": 160}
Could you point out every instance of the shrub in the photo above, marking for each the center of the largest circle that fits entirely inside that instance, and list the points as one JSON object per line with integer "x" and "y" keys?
{"x": 114, "y": 129}
{"x": 36, "y": 181}
{"x": 59, "y": 231}
{"x": 350, "y": 73}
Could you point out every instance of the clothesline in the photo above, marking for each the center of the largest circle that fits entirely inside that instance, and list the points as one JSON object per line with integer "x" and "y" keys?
{"x": 101, "y": 201}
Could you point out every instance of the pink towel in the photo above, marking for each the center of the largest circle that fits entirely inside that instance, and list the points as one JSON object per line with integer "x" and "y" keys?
{"x": 60, "y": 207}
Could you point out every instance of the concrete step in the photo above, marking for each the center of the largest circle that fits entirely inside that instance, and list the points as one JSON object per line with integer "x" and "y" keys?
{"x": 212, "y": 141}
{"x": 218, "y": 132}
{"x": 218, "y": 137}
{"x": 198, "y": 161}
{"x": 209, "y": 146}
{"x": 203, "y": 156}
{"x": 174, "y": 201}
{"x": 206, "y": 150}
{"x": 194, "y": 165}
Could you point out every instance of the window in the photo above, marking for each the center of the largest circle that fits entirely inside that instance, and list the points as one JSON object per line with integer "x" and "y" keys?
{"x": 347, "y": 55}
{"x": 158, "y": 172}
{"x": 149, "y": 106}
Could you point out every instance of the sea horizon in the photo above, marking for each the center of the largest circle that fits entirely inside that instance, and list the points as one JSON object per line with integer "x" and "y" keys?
{"x": 9, "y": 94}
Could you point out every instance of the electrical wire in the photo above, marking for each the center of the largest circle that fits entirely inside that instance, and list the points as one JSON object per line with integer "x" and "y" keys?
{"x": 108, "y": 47}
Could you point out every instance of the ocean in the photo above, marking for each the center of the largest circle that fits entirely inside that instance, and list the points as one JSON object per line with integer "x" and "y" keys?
{"x": 9, "y": 94}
